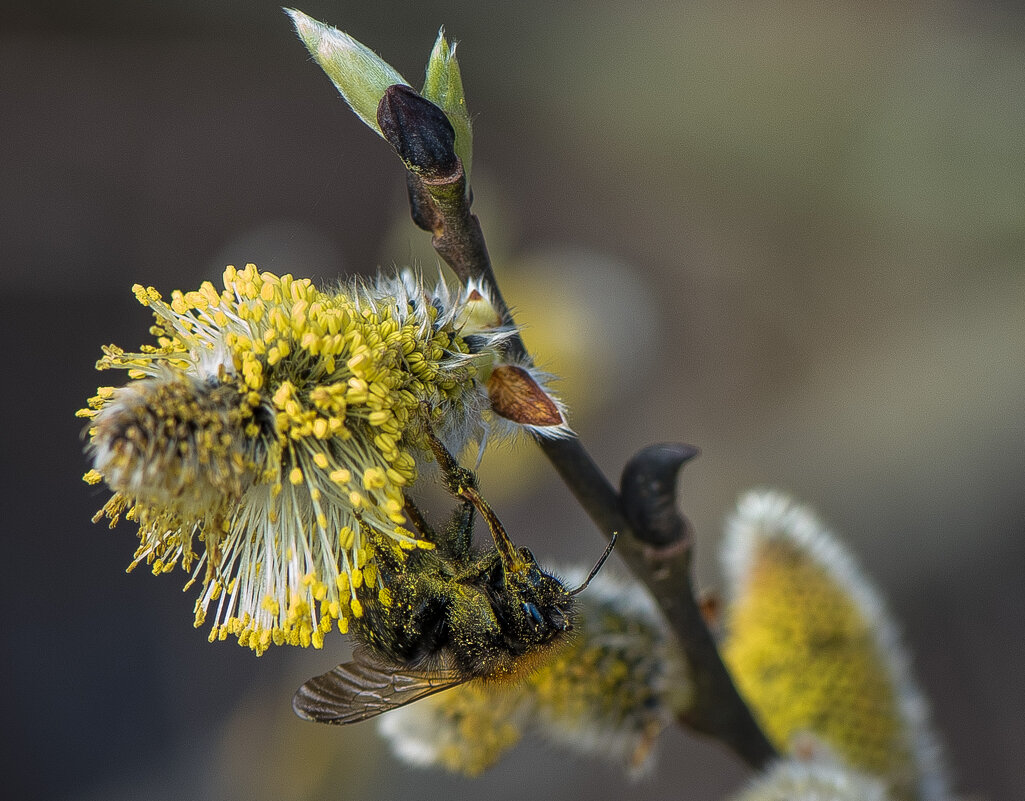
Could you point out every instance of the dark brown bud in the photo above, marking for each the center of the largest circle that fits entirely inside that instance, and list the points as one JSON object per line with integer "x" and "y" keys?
{"x": 419, "y": 131}
{"x": 648, "y": 490}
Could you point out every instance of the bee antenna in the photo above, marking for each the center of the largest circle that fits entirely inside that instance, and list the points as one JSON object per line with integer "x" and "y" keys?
{"x": 597, "y": 567}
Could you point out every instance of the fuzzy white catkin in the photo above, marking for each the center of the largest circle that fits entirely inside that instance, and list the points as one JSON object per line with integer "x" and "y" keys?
{"x": 793, "y": 780}
{"x": 766, "y": 518}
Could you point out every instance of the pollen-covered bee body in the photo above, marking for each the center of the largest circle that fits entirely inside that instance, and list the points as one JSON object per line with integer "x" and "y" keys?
{"x": 610, "y": 692}
{"x": 445, "y": 621}
{"x": 467, "y": 614}
{"x": 450, "y": 615}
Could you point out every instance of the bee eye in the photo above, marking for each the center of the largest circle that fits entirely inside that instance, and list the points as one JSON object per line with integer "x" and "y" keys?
{"x": 533, "y": 611}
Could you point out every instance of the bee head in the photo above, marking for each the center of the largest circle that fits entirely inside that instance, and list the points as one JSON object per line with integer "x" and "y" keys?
{"x": 539, "y": 607}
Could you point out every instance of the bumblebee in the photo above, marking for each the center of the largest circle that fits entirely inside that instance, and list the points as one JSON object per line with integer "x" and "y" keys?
{"x": 454, "y": 615}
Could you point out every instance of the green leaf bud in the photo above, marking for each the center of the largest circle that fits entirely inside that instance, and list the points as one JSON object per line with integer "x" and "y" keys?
{"x": 443, "y": 86}
{"x": 358, "y": 73}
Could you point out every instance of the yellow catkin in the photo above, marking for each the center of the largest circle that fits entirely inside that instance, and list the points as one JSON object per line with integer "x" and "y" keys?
{"x": 270, "y": 423}
{"x": 805, "y": 658}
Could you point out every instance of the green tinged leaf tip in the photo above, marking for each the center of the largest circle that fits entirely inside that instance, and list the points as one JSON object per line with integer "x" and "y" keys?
{"x": 443, "y": 86}
{"x": 358, "y": 73}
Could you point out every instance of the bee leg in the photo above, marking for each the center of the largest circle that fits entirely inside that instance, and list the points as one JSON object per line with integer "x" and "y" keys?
{"x": 459, "y": 532}
{"x": 512, "y": 562}
{"x": 214, "y": 536}
{"x": 456, "y": 477}
{"x": 417, "y": 520}
{"x": 462, "y": 483}
{"x": 385, "y": 557}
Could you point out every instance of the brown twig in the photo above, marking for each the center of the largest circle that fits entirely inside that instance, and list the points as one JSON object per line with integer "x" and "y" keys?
{"x": 654, "y": 540}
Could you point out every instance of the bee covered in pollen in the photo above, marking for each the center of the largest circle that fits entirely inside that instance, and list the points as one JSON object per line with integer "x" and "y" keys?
{"x": 610, "y": 693}
{"x": 451, "y": 615}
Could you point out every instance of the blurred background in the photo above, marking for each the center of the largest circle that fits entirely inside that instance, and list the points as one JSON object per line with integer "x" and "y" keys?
{"x": 791, "y": 235}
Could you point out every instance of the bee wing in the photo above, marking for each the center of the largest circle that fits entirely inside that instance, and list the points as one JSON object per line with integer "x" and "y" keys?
{"x": 363, "y": 688}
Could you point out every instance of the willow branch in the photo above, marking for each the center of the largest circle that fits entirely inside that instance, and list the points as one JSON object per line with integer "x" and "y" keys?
{"x": 654, "y": 540}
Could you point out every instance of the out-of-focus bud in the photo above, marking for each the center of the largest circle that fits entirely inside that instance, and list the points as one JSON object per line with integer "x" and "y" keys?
{"x": 358, "y": 73}
{"x": 464, "y": 730}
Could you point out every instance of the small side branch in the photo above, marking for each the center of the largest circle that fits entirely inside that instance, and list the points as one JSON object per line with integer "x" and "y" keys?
{"x": 654, "y": 540}
{"x": 664, "y": 567}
